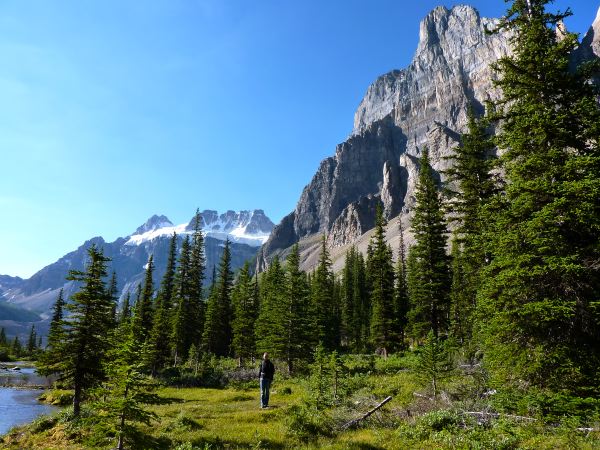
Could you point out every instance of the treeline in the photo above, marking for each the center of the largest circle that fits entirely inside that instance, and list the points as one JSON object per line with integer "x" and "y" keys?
{"x": 11, "y": 349}
{"x": 519, "y": 290}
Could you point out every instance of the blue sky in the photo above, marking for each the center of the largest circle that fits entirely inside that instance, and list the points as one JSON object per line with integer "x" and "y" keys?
{"x": 112, "y": 111}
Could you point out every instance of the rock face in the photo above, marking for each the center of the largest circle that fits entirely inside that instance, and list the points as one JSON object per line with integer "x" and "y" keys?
{"x": 403, "y": 111}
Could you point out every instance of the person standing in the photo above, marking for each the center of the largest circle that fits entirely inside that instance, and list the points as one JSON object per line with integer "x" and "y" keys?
{"x": 266, "y": 371}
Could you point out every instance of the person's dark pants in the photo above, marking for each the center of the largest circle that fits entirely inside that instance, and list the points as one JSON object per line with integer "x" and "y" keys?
{"x": 265, "y": 385}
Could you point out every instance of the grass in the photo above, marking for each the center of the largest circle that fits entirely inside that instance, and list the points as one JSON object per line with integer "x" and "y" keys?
{"x": 206, "y": 418}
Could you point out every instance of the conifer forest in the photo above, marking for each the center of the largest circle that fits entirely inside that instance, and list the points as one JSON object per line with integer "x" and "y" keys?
{"x": 482, "y": 325}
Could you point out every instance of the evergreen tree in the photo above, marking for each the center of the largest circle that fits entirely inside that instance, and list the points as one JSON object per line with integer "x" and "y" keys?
{"x": 86, "y": 340}
{"x": 143, "y": 311}
{"x": 381, "y": 280}
{"x": 348, "y": 334}
{"x": 31, "y": 341}
{"x": 269, "y": 330}
{"x": 182, "y": 337}
{"x": 434, "y": 363}
{"x": 471, "y": 173}
{"x": 293, "y": 313}
{"x": 197, "y": 267}
{"x": 325, "y": 319}
{"x": 125, "y": 314}
{"x": 245, "y": 310}
{"x": 401, "y": 299}
{"x": 429, "y": 282}
{"x": 362, "y": 304}
{"x": 540, "y": 292}
{"x": 50, "y": 360}
{"x": 121, "y": 399}
{"x": 16, "y": 347}
{"x": 3, "y": 340}
{"x": 217, "y": 331}
{"x": 159, "y": 349}
{"x": 113, "y": 293}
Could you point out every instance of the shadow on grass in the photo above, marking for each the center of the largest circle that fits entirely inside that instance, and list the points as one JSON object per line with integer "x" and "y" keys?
{"x": 217, "y": 443}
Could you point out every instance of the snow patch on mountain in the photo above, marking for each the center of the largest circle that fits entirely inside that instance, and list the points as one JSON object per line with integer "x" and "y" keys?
{"x": 246, "y": 227}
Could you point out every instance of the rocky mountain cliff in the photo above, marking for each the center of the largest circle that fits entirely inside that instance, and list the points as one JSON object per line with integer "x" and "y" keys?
{"x": 30, "y": 300}
{"x": 403, "y": 111}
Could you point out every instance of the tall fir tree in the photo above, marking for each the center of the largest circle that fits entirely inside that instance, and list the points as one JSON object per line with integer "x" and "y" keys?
{"x": 540, "y": 292}
{"x": 268, "y": 329}
{"x": 3, "y": 339}
{"x": 429, "y": 280}
{"x": 216, "y": 338}
{"x": 144, "y": 307}
{"x": 125, "y": 313}
{"x": 113, "y": 293}
{"x": 245, "y": 311}
{"x": 159, "y": 348}
{"x": 88, "y": 328}
{"x": 401, "y": 299}
{"x": 473, "y": 188}
{"x": 324, "y": 311}
{"x": 183, "y": 319}
{"x": 31, "y": 341}
{"x": 197, "y": 268}
{"x": 293, "y": 313}
{"x": 381, "y": 283}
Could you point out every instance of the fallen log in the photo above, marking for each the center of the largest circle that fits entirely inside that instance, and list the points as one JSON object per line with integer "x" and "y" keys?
{"x": 355, "y": 422}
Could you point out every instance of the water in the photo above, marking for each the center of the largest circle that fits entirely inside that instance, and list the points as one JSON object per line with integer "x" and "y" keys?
{"x": 19, "y": 405}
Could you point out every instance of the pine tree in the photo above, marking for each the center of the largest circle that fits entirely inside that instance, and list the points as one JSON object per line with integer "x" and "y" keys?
{"x": 16, "y": 347}
{"x": 125, "y": 314}
{"x": 471, "y": 173}
{"x": 3, "y": 340}
{"x": 86, "y": 340}
{"x": 381, "y": 281}
{"x": 159, "y": 348}
{"x": 269, "y": 330}
{"x": 429, "y": 282}
{"x": 31, "y": 341}
{"x": 182, "y": 337}
{"x": 362, "y": 305}
{"x": 217, "y": 331}
{"x": 50, "y": 361}
{"x": 143, "y": 311}
{"x": 121, "y": 399}
{"x": 293, "y": 313}
{"x": 540, "y": 292}
{"x": 197, "y": 267}
{"x": 113, "y": 293}
{"x": 245, "y": 310}
{"x": 324, "y": 312}
{"x": 401, "y": 299}
{"x": 348, "y": 335}
{"x": 434, "y": 363}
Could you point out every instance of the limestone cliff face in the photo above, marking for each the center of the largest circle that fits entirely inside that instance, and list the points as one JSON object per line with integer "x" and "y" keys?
{"x": 403, "y": 111}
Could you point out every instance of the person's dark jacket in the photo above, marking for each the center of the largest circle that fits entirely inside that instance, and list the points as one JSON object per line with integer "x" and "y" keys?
{"x": 266, "y": 369}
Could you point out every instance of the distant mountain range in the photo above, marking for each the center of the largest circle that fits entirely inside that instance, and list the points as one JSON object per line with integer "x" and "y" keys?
{"x": 26, "y": 301}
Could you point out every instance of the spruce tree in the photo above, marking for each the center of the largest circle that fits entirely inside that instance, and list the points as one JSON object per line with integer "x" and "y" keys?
{"x": 245, "y": 311}
{"x": 540, "y": 292}
{"x": 381, "y": 280}
{"x": 429, "y": 282}
{"x": 159, "y": 348}
{"x": 216, "y": 338}
{"x": 474, "y": 186}
{"x": 3, "y": 340}
{"x": 16, "y": 347}
{"x": 125, "y": 314}
{"x": 86, "y": 340}
{"x": 325, "y": 319}
{"x": 197, "y": 268}
{"x": 362, "y": 305}
{"x": 182, "y": 337}
{"x": 50, "y": 361}
{"x": 31, "y": 341}
{"x": 113, "y": 293}
{"x": 143, "y": 311}
{"x": 348, "y": 335}
{"x": 401, "y": 299}
{"x": 268, "y": 329}
{"x": 292, "y": 313}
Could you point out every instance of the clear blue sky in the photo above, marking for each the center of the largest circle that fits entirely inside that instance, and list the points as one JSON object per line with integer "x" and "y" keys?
{"x": 111, "y": 111}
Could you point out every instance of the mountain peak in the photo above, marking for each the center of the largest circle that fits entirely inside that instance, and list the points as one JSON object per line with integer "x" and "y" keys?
{"x": 153, "y": 223}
